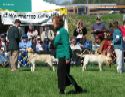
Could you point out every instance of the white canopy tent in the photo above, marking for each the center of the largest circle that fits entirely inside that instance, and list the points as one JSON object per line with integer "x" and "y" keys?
{"x": 39, "y": 14}
{"x": 40, "y": 5}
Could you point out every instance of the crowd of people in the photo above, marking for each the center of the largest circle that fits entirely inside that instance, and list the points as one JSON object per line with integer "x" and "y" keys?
{"x": 23, "y": 42}
{"x": 33, "y": 41}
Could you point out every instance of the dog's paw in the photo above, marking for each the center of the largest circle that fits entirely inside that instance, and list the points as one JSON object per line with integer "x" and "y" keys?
{"x": 100, "y": 69}
{"x": 83, "y": 69}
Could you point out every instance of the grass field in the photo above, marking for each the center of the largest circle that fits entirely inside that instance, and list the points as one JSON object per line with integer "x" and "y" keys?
{"x": 43, "y": 82}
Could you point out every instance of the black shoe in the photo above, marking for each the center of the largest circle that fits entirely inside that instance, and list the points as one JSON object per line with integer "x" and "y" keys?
{"x": 61, "y": 92}
{"x": 71, "y": 92}
{"x": 79, "y": 89}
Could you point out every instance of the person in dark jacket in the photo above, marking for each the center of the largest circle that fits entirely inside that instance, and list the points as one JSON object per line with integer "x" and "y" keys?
{"x": 63, "y": 53}
{"x": 13, "y": 37}
{"x": 98, "y": 29}
{"x": 80, "y": 31}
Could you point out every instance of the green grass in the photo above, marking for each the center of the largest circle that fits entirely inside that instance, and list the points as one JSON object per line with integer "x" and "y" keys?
{"x": 43, "y": 82}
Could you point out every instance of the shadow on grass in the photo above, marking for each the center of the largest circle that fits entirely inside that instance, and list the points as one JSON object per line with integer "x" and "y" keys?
{"x": 41, "y": 65}
{"x": 79, "y": 92}
{"x": 25, "y": 69}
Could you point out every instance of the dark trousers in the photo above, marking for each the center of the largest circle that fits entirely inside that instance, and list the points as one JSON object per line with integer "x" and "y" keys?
{"x": 63, "y": 74}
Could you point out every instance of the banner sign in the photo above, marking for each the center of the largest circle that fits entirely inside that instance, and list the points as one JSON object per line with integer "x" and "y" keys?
{"x": 27, "y": 17}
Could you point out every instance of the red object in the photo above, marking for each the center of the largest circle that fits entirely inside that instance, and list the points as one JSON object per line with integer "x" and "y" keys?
{"x": 107, "y": 47}
{"x": 122, "y": 28}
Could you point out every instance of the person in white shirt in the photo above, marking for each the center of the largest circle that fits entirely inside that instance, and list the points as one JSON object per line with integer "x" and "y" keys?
{"x": 74, "y": 45}
{"x": 32, "y": 32}
{"x": 3, "y": 44}
{"x": 76, "y": 48}
{"x": 3, "y": 54}
{"x": 47, "y": 34}
{"x": 39, "y": 47}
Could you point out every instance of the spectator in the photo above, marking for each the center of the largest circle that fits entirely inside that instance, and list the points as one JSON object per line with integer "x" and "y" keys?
{"x": 98, "y": 29}
{"x": 80, "y": 31}
{"x": 106, "y": 47}
{"x": 86, "y": 44}
{"x": 34, "y": 40}
{"x": 32, "y": 32}
{"x": 3, "y": 56}
{"x": 46, "y": 46}
{"x": 39, "y": 48}
{"x": 76, "y": 48}
{"x": 47, "y": 35}
{"x": 24, "y": 47}
{"x": 74, "y": 45}
{"x": 96, "y": 44}
{"x": 118, "y": 46}
{"x": 110, "y": 30}
{"x": 25, "y": 44}
{"x": 122, "y": 28}
{"x": 3, "y": 43}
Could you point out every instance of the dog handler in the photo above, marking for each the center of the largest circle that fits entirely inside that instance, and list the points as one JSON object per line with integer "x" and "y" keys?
{"x": 13, "y": 36}
{"x": 63, "y": 53}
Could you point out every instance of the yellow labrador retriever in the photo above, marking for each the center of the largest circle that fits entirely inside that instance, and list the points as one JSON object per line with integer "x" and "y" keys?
{"x": 98, "y": 58}
{"x": 47, "y": 58}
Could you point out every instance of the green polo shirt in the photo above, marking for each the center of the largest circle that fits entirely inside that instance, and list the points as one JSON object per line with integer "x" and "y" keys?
{"x": 61, "y": 43}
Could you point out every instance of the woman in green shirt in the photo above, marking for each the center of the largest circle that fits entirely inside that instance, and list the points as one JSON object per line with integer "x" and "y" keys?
{"x": 63, "y": 53}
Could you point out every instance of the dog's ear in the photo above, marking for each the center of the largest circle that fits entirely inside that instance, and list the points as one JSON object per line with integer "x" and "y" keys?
{"x": 109, "y": 55}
